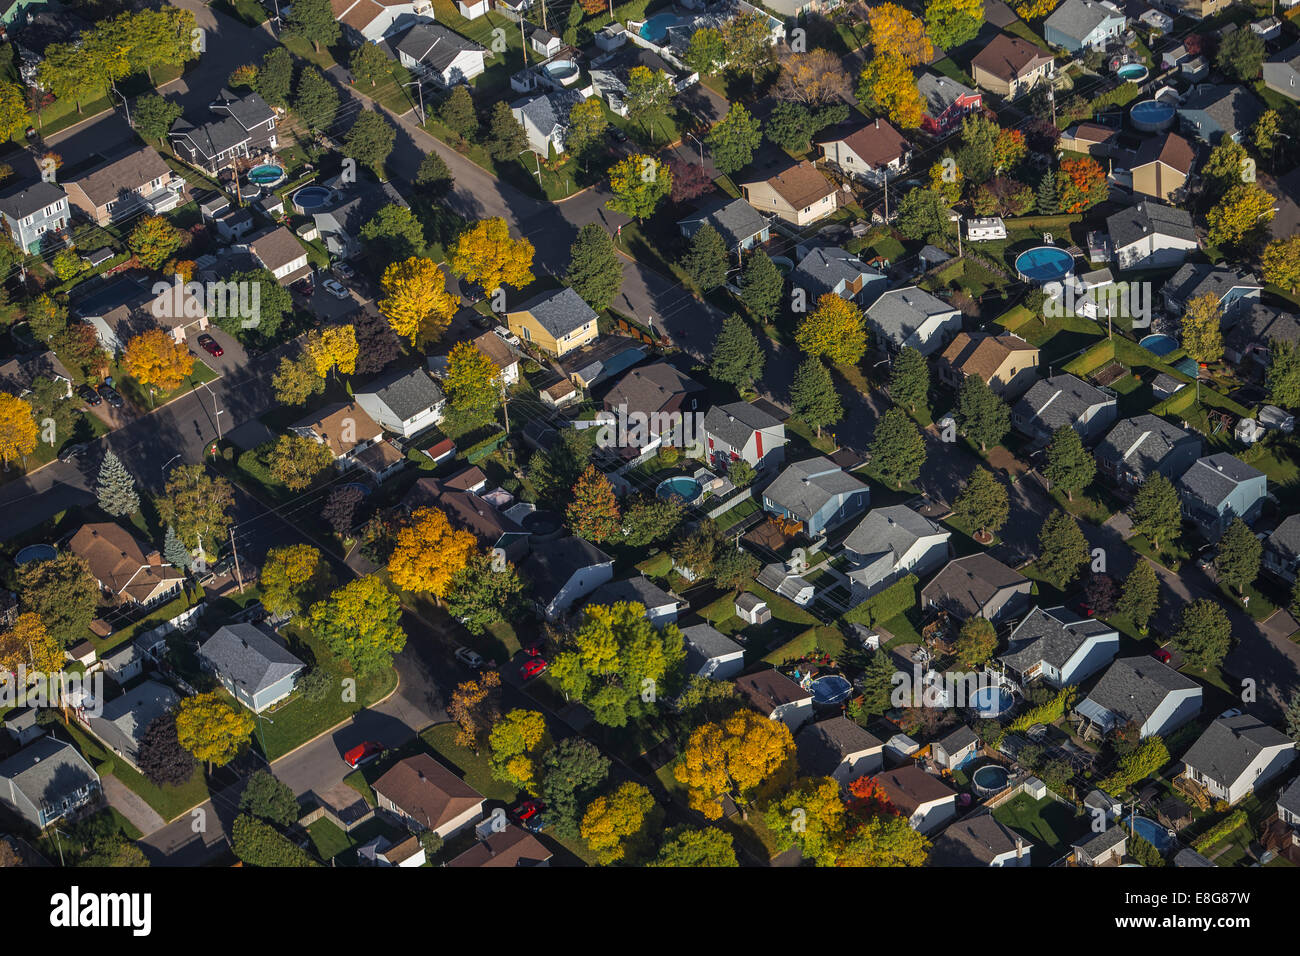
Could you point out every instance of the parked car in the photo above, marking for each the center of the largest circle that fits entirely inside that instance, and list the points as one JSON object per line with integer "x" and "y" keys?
{"x": 334, "y": 288}
{"x": 89, "y": 395}
{"x": 363, "y": 753}
{"x": 525, "y": 810}
{"x": 109, "y": 394}
{"x": 469, "y": 658}
{"x": 344, "y": 271}
{"x": 533, "y": 668}
{"x": 209, "y": 345}
{"x": 304, "y": 287}
{"x": 72, "y": 451}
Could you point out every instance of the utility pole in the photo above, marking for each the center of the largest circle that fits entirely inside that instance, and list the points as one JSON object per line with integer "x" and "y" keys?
{"x": 235, "y": 554}
{"x": 523, "y": 40}
{"x": 886, "y": 197}
{"x": 543, "y": 3}
{"x": 505, "y": 405}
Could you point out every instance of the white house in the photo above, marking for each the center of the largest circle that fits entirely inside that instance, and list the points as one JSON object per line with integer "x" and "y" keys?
{"x": 433, "y": 51}
{"x": 1236, "y": 754}
{"x": 777, "y": 697}
{"x": 1151, "y": 235}
{"x": 926, "y": 801}
{"x": 711, "y": 654}
{"x": 744, "y": 431}
{"x": 661, "y": 606}
{"x": 403, "y": 401}
{"x": 956, "y": 748}
{"x": 424, "y": 795}
{"x": 979, "y": 840}
{"x": 1060, "y": 647}
{"x": 1140, "y": 691}
{"x": 913, "y": 317}
{"x": 372, "y": 20}
{"x": 280, "y": 252}
{"x": 985, "y": 229}
{"x": 564, "y": 571}
{"x": 890, "y": 543}
{"x": 838, "y": 748}
{"x": 473, "y": 9}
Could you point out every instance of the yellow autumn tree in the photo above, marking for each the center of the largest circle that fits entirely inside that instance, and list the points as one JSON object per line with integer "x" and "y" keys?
{"x": 615, "y": 826}
{"x": 1243, "y": 209}
{"x": 1034, "y": 9}
{"x": 429, "y": 553}
{"x": 835, "y": 330}
{"x": 18, "y": 431}
{"x": 212, "y": 729}
{"x": 157, "y": 361}
{"x": 486, "y": 254}
{"x": 516, "y": 742}
{"x": 28, "y": 644}
{"x": 899, "y": 32}
{"x": 888, "y": 83}
{"x": 1280, "y": 262}
{"x": 416, "y": 302}
{"x": 333, "y": 348}
{"x": 472, "y": 380}
{"x": 1202, "y": 328}
{"x": 744, "y": 757}
{"x": 292, "y": 577}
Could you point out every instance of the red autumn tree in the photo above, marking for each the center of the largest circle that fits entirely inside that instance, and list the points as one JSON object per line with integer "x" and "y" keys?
{"x": 867, "y": 798}
{"x": 593, "y": 513}
{"x": 1082, "y": 184}
{"x": 690, "y": 180}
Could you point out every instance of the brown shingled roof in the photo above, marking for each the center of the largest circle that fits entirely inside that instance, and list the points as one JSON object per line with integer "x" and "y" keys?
{"x": 800, "y": 185}
{"x": 1174, "y": 151}
{"x": 495, "y": 348}
{"x": 331, "y": 422}
{"x": 107, "y": 182}
{"x": 877, "y": 144}
{"x": 983, "y": 354}
{"x": 1008, "y": 57}
{"x": 909, "y": 787}
{"x": 427, "y": 791}
{"x": 767, "y": 690}
{"x": 511, "y": 847}
{"x": 119, "y": 562}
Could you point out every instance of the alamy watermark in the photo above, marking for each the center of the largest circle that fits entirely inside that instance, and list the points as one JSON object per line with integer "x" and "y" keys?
{"x": 194, "y": 300}
{"x": 623, "y": 429}
{"x": 1115, "y": 300}
{"x": 39, "y": 689}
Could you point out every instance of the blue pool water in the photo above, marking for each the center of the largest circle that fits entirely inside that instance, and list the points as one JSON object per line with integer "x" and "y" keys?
{"x": 656, "y": 28}
{"x": 35, "y": 552}
{"x": 311, "y": 197}
{"x": 831, "y": 689}
{"x": 267, "y": 174}
{"x": 1152, "y": 116}
{"x": 1132, "y": 71}
{"x": 1044, "y": 264}
{"x": 990, "y": 779}
{"x": 1153, "y": 833}
{"x": 683, "y": 488}
{"x": 991, "y": 701}
{"x": 1159, "y": 344}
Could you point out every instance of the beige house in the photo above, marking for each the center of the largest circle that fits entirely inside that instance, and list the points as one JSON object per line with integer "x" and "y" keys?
{"x": 125, "y": 571}
{"x": 1161, "y": 167}
{"x": 1007, "y": 363}
{"x": 353, "y": 436}
{"x": 556, "y": 322}
{"x": 1092, "y": 139}
{"x": 425, "y": 795}
{"x": 800, "y": 194}
{"x": 870, "y": 152}
{"x": 1010, "y": 66}
{"x": 1200, "y": 9}
{"x": 122, "y": 186}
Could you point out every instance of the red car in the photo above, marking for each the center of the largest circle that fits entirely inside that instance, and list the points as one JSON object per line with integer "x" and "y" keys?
{"x": 1162, "y": 655}
{"x": 535, "y": 648}
{"x": 532, "y": 668}
{"x": 209, "y": 345}
{"x": 527, "y": 809}
{"x": 363, "y": 753}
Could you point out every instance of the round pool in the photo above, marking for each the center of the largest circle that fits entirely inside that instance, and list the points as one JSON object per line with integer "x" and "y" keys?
{"x": 830, "y": 690}
{"x": 1159, "y": 345}
{"x": 361, "y": 487}
{"x": 310, "y": 198}
{"x": 992, "y": 701}
{"x": 681, "y": 488}
{"x": 656, "y": 28}
{"x": 1133, "y": 72}
{"x": 267, "y": 174}
{"x": 35, "y": 552}
{"x": 542, "y": 523}
{"x": 1158, "y": 836}
{"x": 990, "y": 779}
{"x": 562, "y": 71}
{"x": 1152, "y": 116}
{"x": 1043, "y": 264}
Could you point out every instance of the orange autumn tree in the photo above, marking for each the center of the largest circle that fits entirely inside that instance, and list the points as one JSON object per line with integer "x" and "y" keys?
{"x": 594, "y": 513}
{"x": 887, "y": 84}
{"x": 429, "y": 553}
{"x": 475, "y": 708}
{"x": 1081, "y": 184}
{"x": 867, "y": 797}
{"x": 18, "y": 431}
{"x": 744, "y": 757}
{"x": 157, "y": 361}
{"x": 898, "y": 31}
{"x": 1009, "y": 149}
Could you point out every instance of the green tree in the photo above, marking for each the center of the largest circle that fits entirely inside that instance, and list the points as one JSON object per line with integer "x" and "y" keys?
{"x": 1239, "y": 556}
{"x": 394, "y": 233}
{"x": 639, "y": 183}
{"x": 370, "y": 141}
{"x": 1141, "y": 595}
{"x": 897, "y": 448}
{"x": 984, "y": 418}
{"x": 314, "y": 20}
{"x": 433, "y": 175}
{"x": 266, "y": 797}
{"x": 1202, "y": 323}
{"x": 761, "y": 286}
{"x": 951, "y": 23}
{"x": 368, "y": 64}
{"x": 275, "y": 77}
{"x": 457, "y": 113}
{"x": 1156, "y": 512}
{"x": 982, "y": 505}
{"x": 813, "y": 396}
{"x": 705, "y": 846}
{"x": 154, "y": 116}
{"x": 1204, "y": 634}
{"x": 649, "y": 519}
{"x": 116, "y": 488}
{"x": 976, "y": 643}
{"x": 706, "y": 259}
{"x": 909, "y": 380}
{"x": 1047, "y": 202}
{"x": 174, "y": 552}
{"x": 1292, "y": 717}
{"x": 706, "y": 53}
{"x": 923, "y": 215}
{"x": 361, "y": 623}
{"x": 1283, "y": 376}
{"x": 595, "y": 270}
{"x": 1241, "y": 55}
{"x": 737, "y": 358}
{"x": 198, "y": 505}
{"x": 572, "y": 772}
{"x": 485, "y": 592}
{"x": 62, "y": 593}
{"x": 505, "y": 139}
{"x": 790, "y": 126}
{"x": 649, "y": 94}
{"x": 734, "y": 139}
{"x": 315, "y": 100}
{"x": 1070, "y": 466}
{"x": 1064, "y": 549}
{"x": 258, "y": 844}
{"x": 588, "y": 126}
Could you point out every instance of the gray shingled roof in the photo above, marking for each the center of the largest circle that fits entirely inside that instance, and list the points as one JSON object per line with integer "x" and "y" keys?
{"x": 1051, "y": 637}
{"x": 1230, "y": 745}
{"x": 822, "y": 269}
{"x": 735, "y": 220}
{"x": 1262, "y": 325}
{"x": 805, "y": 486}
{"x": 734, "y": 423}
{"x": 639, "y": 590}
{"x": 892, "y": 529}
{"x": 652, "y": 388}
{"x": 1215, "y": 477}
{"x": 124, "y": 720}
{"x": 434, "y": 45}
{"x": 975, "y": 841}
{"x": 46, "y": 770}
{"x": 958, "y": 739}
{"x": 1231, "y": 106}
{"x": 1078, "y": 18}
{"x": 823, "y": 746}
{"x": 1142, "y": 442}
{"x": 551, "y": 564}
{"x": 1289, "y": 799}
{"x": 1134, "y": 223}
{"x": 407, "y": 392}
{"x": 704, "y": 643}
{"x": 1060, "y": 400}
{"x": 249, "y": 657}
{"x": 969, "y": 583}
{"x": 940, "y": 92}
{"x": 248, "y": 109}
{"x": 1197, "y": 279}
{"x": 548, "y": 112}
{"x": 1133, "y": 687}
{"x": 559, "y": 312}
{"x": 22, "y": 201}
{"x": 900, "y": 312}
{"x": 1108, "y": 839}
{"x": 1285, "y": 540}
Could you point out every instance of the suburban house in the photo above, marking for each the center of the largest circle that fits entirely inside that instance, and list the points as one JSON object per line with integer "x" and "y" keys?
{"x": 1141, "y": 691}
{"x": 1234, "y": 291}
{"x": 122, "y": 187}
{"x": 1106, "y": 848}
{"x": 711, "y": 654}
{"x": 978, "y": 585}
{"x": 800, "y": 194}
{"x": 956, "y": 748}
{"x": 244, "y": 127}
{"x": 652, "y": 405}
{"x": 1254, "y": 332}
{"x": 125, "y": 307}
{"x": 1092, "y": 138}
{"x": 19, "y": 374}
{"x": 120, "y": 723}
{"x": 838, "y": 748}
{"x": 1200, "y": 9}
{"x": 1282, "y": 550}
{"x": 1059, "y": 647}
{"x": 124, "y": 662}
{"x": 1282, "y": 72}
{"x": 355, "y": 438}
{"x": 545, "y": 119}
{"x": 1219, "y": 488}
{"x": 557, "y": 322}
{"x": 979, "y": 840}
{"x": 661, "y": 606}
{"x": 372, "y": 20}
{"x": 603, "y": 359}
{"x": 1161, "y": 167}
{"x": 912, "y": 317}
{"x": 35, "y": 215}
{"x": 1062, "y": 400}
{"x": 872, "y": 152}
{"x": 467, "y": 510}
{"x": 891, "y": 543}
{"x": 432, "y": 51}
{"x": 926, "y": 801}
{"x": 947, "y": 103}
{"x": 281, "y": 254}
{"x": 1139, "y": 447}
{"x": 776, "y": 697}
{"x": 126, "y": 572}
{"x": 1211, "y": 112}
{"x": 46, "y": 781}
{"x": 1078, "y": 25}
{"x": 985, "y": 229}
{"x": 741, "y": 226}
{"x": 255, "y": 667}
{"x": 1236, "y": 754}
{"x": 21, "y": 726}
{"x": 1007, "y": 363}
{"x": 501, "y": 355}
{"x": 422, "y": 795}
{"x": 1151, "y": 236}
{"x": 742, "y": 430}
{"x": 817, "y": 493}
{"x": 1010, "y": 66}
{"x": 353, "y": 206}
{"x": 405, "y": 401}
{"x": 565, "y": 571}
{"x": 829, "y": 270}
{"x": 510, "y": 847}
{"x": 473, "y": 9}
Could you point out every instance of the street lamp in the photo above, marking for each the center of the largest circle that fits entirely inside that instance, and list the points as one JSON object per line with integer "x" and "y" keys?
{"x": 700, "y": 145}
{"x": 216, "y": 412}
{"x": 168, "y": 464}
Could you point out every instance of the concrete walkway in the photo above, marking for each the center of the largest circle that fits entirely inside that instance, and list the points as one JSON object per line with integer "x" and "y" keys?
{"x": 126, "y": 802}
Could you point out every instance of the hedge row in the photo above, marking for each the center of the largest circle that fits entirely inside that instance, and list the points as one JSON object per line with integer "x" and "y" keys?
{"x": 1220, "y": 830}
{"x": 1048, "y": 713}
{"x": 896, "y": 599}
{"x": 1093, "y": 359}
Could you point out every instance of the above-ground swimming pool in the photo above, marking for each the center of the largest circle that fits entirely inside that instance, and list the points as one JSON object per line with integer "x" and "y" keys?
{"x": 35, "y": 552}
{"x": 990, "y": 778}
{"x": 1044, "y": 264}
{"x": 1133, "y": 72}
{"x": 1162, "y": 345}
{"x": 682, "y": 487}
{"x": 656, "y": 28}
{"x": 830, "y": 690}
{"x": 562, "y": 71}
{"x": 1155, "y": 834}
{"x": 992, "y": 701}
{"x": 267, "y": 174}
{"x": 311, "y": 198}
{"x": 1152, "y": 116}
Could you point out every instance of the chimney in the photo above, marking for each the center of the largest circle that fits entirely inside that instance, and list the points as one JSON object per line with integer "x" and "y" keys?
{"x": 154, "y": 559}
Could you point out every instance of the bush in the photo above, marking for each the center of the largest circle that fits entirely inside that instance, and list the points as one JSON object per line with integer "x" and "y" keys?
{"x": 1048, "y": 712}
{"x": 896, "y": 599}
{"x": 1220, "y": 830}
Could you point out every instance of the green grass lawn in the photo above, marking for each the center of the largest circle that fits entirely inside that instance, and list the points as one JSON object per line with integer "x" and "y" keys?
{"x": 1052, "y": 826}
{"x": 829, "y": 640}
{"x": 140, "y": 395}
